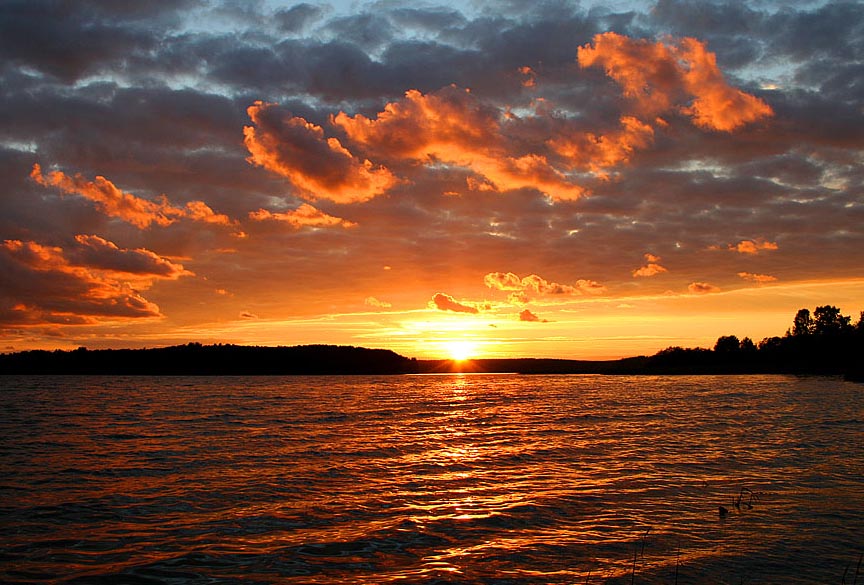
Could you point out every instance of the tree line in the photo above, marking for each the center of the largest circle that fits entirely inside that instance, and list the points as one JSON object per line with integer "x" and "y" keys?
{"x": 822, "y": 342}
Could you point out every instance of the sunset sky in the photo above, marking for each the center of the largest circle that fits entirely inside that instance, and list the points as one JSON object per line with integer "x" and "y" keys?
{"x": 502, "y": 179}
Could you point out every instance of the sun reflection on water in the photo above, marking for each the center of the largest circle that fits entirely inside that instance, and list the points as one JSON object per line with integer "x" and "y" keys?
{"x": 461, "y": 477}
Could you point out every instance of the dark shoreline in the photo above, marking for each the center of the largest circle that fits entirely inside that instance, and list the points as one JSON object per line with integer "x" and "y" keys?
{"x": 231, "y": 360}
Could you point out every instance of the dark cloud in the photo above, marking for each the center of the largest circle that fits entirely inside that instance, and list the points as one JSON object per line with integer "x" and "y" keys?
{"x": 44, "y": 284}
{"x": 298, "y": 17}
{"x": 445, "y": 302}
{"x": 98, "y": 253}
{"x": 433, "y": 21}
{"x": 530, "y": 317}
{"x": 68, "y": 39}
{"x": 370, "y": 31}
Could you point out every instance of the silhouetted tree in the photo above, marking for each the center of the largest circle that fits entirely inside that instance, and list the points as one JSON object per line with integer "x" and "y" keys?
{"x": 747, "y": 346}
{"x": 802, "y": 324}
{"x": 770, "y": 344}
{"x": 727, "y": 344}
{"x": 827, "y": 320}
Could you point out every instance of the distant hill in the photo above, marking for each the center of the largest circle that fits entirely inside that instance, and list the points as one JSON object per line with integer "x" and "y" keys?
{"x": 210, "y": 360}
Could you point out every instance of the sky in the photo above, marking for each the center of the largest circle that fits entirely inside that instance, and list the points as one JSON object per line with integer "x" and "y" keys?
{"x": 516, "y": 178}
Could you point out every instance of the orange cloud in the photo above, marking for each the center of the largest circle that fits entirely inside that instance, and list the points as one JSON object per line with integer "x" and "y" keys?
{"x": 373, "y": 302}
{"x": 320, "y": 167}
{"x": 683, "y": 76}
{"x": 524, "y": 287}
{"x": 701, "y": 288}
{"x": 452, "y": 126}
{"x": 134, "y": 210}
{"x": 445, "y": 302}
{"x": 717, "y": 106}
{"x": 598, "y": 152}
{"x": 449, "y": 124}
{"x": 503, "y": 281}
{"x": 200, "y": 211}
{"x": 758, "y": 278}
{"x": 529, "y": 77}
{"x": 85, "y": 284}
{"x": 753, "y": 246}
{"x": 652, "y": 268}
{"x": 100, "y": 254}
{"x": 505, "y": 151}
{"x": 528, "y": 316}
{"x": 304, "y": 215}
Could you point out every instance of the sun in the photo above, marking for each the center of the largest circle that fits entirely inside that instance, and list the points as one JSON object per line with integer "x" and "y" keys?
{"x": 460, "y": 350}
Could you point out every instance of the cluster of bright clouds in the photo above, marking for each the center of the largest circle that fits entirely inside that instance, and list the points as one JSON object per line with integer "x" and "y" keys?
{"x": 520, "y": 291}
{"x": 137, "y": 211}
{"x": 681, "y": 75}
{"x": 505, "y": 151}
{"x": 91, "y": 280}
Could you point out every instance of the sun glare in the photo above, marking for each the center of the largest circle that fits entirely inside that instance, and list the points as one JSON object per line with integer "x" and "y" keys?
{"x": 460, "y": 350}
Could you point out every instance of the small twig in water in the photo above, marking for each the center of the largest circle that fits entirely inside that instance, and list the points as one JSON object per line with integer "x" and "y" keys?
{"x": 858, "y": 569}
{"x": 644, "y": 536}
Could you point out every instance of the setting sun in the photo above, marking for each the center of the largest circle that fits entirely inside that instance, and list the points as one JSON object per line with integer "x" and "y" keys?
{"x": 461, "y": 350}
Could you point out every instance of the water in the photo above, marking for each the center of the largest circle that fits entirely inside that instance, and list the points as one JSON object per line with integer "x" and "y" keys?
{"x": 431, "y": 479}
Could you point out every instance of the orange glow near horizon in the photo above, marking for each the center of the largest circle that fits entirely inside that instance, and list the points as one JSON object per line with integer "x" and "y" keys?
{"x": 597, "y": 328}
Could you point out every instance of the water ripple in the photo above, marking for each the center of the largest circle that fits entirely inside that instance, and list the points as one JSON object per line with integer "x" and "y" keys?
{"x": 430, "y": 479}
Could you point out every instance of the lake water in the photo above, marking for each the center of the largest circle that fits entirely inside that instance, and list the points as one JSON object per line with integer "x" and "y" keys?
{"x": 431, "y": 479}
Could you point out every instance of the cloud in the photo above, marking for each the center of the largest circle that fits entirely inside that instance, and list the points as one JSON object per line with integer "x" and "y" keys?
{"x": 524, "y": 288}
{"x": 445, "y": 302}
{"x": 529, "y": 76}
{"x": 527, "y": 315}
{"x": 652, "y": 268}
{"x": 304, "y": 216}
{"x": 503, "y": 281}
{"x": 453, "y": 126}
{"x": 598, "y": 152}
{"x": 450, "y": 124}
{"x": 69, "y": 42}
{"x": 701, "y": 288}
{"x": 134, "y": 210}
{"x": 373, "y": 302}
{"x": 753, "y": 246}
{"x": 318, "y": 166}
{"x": 200, "y": 211}
{"x": 98, "y": 253}
{"x": 757, "y": 278}
{"x": 297, "y": 17}
{"x": 88, "y": 283}
{"x": 536, "y": 149}
{"x": 681, "y": 75}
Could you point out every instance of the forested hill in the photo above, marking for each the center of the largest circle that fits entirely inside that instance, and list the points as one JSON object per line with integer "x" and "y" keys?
{"x": 210, "y": 360}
